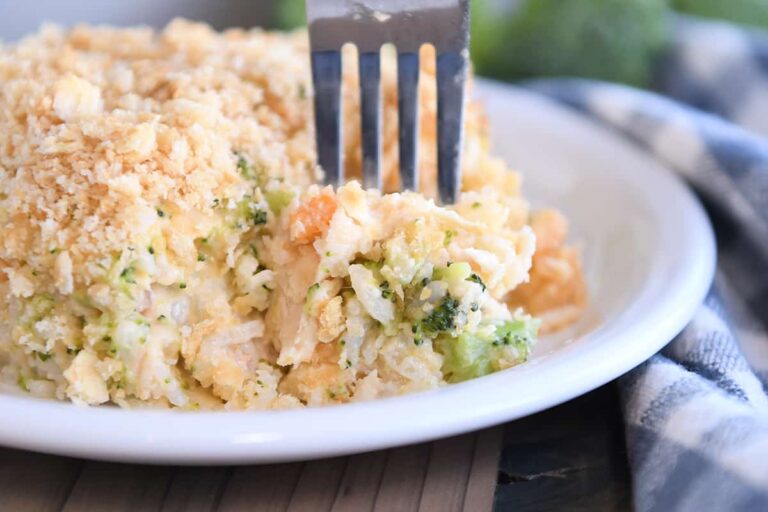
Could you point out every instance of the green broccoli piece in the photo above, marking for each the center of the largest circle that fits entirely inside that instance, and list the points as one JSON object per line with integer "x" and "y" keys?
{"x": 258, "y": 216}
{"x": 518, "y": 334}
{"x": 386, "y": 292}
{"x": 606, "y": 39}
{"x": 246, "y": 171}
{"x": 128, "y": 275}
{"x": 465, "y": 357}
{"x": 748, "y": 12}
{"x": 471, "y": 355}
{"x": 251, "y": 212}
{"x": 442, "y": 318}
{"x": 278, "y": 199}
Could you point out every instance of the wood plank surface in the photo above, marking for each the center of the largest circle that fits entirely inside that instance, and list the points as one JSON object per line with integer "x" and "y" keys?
{"x": 263, "y": 488}
{"x": 118, "y": 487}
{"x": 360, "y": 484}
{"x": 403, "y": 479}
{"x": 572, "y": 457}
{"x": 445, "y": 483}
{"x": 318, "y": 484}
{"x": 35, "y": 482}
{"x": 195, "y": 489}
{"x": 485, "y": 467}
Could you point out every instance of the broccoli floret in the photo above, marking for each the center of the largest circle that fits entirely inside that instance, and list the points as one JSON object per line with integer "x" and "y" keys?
{"x": 465, "y": 357}
{"x": 606, "y": 39}
{"x": 471, "y": 355}
{"x": 442, "y": 318}
{"x": 258, "y": 216}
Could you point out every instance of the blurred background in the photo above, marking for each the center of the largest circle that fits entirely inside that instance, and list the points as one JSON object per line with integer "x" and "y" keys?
{"x": 617, "y": 40}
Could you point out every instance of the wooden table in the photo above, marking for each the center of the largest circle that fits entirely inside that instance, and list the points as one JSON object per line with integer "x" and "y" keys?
{"x": 570, "y": 458}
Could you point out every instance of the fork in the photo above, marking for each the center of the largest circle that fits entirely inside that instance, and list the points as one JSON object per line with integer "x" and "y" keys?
{"x": 408, "y": 24}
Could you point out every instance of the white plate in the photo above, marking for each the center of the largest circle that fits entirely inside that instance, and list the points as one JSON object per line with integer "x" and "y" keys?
{"x": 649, "y": 257}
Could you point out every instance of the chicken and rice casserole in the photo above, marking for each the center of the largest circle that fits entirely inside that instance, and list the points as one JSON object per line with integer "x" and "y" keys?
{"x": 163, "y": 241}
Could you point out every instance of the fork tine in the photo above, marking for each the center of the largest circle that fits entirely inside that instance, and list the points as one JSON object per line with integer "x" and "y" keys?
{"x": 451, "y": 78}
{"x": 326, "y": 75}
{"x": 369, "y": 24}
{"x": 370, "y": 109}
{"x": 408, "y": 118}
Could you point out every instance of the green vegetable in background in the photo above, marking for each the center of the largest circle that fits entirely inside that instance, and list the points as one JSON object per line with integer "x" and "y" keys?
{"x": 289, "y": 13}
{"x": 606, "y": 39}
{"x": 748, "y": 12}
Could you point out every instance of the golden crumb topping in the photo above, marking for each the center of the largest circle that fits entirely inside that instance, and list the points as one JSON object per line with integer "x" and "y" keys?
{"x": 107, "y": 136}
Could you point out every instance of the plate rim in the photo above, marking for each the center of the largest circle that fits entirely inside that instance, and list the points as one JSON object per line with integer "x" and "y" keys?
{"x": 255, "y": 437}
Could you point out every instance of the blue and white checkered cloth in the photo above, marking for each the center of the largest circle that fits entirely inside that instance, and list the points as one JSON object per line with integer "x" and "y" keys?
{"x": 696, "y": 414}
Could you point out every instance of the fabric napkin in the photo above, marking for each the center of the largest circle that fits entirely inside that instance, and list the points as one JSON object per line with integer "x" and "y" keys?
{"x": 696, "y": 414}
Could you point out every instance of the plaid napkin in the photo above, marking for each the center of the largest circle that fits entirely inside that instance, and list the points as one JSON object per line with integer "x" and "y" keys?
{"x": 696, "y": 414}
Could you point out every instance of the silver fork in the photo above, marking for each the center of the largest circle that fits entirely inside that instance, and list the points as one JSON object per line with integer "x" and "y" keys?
{"x": 408, "y": 24}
